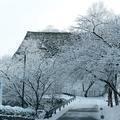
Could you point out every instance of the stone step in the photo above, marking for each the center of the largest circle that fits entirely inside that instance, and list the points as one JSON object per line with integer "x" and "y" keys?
{"x": 84, "y": 110}
{"x": 74, "y": 118}
{"x": 80, "y": 114}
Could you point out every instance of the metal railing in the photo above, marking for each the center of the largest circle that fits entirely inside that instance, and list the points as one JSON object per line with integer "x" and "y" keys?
{"x": 59, "y": 107}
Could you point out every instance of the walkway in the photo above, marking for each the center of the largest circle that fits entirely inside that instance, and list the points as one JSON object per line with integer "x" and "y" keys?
{"x": 80, "y": 114}
{"x": 81, "y": 109}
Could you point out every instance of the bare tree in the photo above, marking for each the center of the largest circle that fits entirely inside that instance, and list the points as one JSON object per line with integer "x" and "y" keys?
{"x": 101, "y": 25}
{"x": 37, "y": 86}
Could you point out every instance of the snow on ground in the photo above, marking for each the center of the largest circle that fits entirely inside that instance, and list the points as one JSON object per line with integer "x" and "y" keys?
{"x": 100, "y": 102}
{"x": 82, "y": 102}
{"x": 111, "y": 113}
{"x": 91, "y": 102}
{"x": 66, "y": 97}
{"x": 16, "y": 111}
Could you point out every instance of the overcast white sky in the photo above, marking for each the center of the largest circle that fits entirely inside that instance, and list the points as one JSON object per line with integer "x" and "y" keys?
{"x": 19, "y": 16}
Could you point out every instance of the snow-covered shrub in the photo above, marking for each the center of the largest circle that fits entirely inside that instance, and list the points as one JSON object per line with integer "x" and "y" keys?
{"x": 41, "y": 114}
{"x": 17, "y": 111}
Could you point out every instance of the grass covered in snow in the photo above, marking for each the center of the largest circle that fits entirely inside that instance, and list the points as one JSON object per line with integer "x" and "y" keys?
{"x": 16, "y": 111}
{"x": 111, "y": 113}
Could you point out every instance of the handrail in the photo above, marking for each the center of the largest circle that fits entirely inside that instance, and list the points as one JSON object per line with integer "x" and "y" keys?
{"x": 53, "y": 110}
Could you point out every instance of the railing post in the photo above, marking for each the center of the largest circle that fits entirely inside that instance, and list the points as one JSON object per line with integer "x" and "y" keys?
{"x": 55, "y": 111}
{"x": 60, "y": 108}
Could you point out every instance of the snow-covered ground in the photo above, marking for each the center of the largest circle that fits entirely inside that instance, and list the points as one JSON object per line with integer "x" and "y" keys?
{"x": 62, "y": 96}
{"x": 111, "y": 113}
{"x": 16, "y": 111}
{"x": 92, "y": 102}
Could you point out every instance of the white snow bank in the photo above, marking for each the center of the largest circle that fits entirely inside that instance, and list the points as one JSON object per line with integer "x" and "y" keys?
{"x": 66, "y": 97}
{"x": 111, "y": 113}
{"x": 8, "y": 110}
{"x": 82, "y": 102}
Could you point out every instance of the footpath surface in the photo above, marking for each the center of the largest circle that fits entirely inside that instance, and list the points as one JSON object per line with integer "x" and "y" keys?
{"x": 80, "y": 114}
{"x": 81, "y": 109}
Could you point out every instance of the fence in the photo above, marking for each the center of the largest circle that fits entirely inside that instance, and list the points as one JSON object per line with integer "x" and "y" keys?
{"x": 59, "y": 107}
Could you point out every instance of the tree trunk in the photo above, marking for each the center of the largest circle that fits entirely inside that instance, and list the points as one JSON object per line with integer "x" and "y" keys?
{"x": 90, "y": 85}
{"x": 86, "y": 93}
{"x": 83, "y": 88}
{"x": 110, "y": 101}
{"x": 116, "y": 99}
{"x": 23, "y": 90}
{"x": 23, "y": 84}
{"x": 37, "y": 104}
{"x": 108, "y": 96}
{"x": 115, "y": 94}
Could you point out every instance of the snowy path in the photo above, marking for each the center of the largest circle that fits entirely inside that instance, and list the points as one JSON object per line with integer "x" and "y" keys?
{"x": 79, "y": 114}
{"x": 81, "y": 109}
